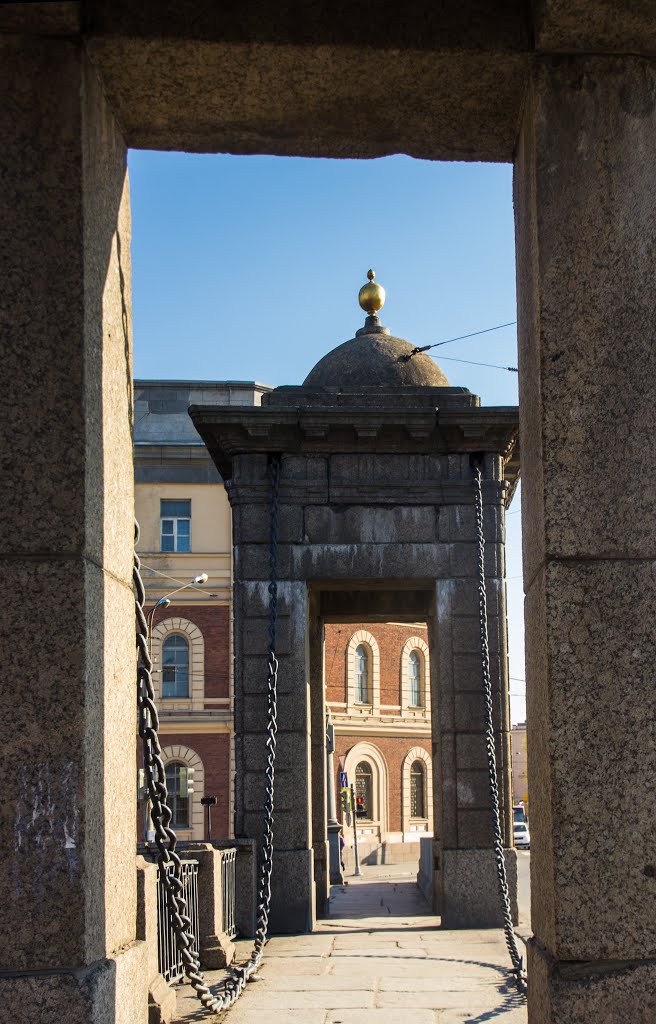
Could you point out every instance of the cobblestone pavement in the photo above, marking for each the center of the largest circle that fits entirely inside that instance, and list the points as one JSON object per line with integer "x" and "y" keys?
{"x": 380, "y": 958}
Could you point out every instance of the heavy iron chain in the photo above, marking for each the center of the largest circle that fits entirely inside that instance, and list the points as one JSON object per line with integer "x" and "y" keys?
{"x": 168, "y": 859}
{"x": 511, "y": 941}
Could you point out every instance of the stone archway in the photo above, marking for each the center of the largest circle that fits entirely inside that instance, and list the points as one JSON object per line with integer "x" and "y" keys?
{"x": 82, "y": 81}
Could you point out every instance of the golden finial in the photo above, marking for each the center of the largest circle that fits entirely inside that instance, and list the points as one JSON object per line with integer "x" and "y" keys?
{"x": 371, "y": 296}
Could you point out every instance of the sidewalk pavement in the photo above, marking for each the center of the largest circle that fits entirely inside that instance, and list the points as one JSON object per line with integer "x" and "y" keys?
{"x": 380, "y": 958}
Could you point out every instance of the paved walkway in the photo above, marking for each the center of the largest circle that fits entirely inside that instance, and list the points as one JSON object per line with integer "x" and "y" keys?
{"x": 380, "y": 958}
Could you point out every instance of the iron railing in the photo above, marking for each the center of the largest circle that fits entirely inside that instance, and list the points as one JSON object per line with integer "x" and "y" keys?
{"x": 228, "y": 890}
{"x": 171, "y": 964}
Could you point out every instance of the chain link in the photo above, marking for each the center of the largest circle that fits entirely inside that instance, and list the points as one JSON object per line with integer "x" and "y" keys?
{"x": 519, "y": 971}
{"x": 165, "y": 837}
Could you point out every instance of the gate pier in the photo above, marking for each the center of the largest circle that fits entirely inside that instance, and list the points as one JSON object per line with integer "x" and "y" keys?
{"x": 377, "y": 521}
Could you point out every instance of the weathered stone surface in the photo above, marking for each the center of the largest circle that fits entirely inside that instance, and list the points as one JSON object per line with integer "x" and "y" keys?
{"x": 293, "y": 900}
{"x": 87, "y": 995}
{"x": 376, "y": 359}
{"x": 470, "y": 893}
{"x": 252, "y": 522}
{"x": 359, "y": 524}
{"x": 583, "y": 195}
{"x": 292, "y": 674}
{"x": 295, "y": 106}
{"x": 591, "y": 647}
{"x": 589, "y": 993}
{"x": 594, "y": 26}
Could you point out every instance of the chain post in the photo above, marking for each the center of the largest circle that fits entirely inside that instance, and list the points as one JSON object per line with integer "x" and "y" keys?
{"x": 518, "y": 971}
{"x": 165, "y": 837}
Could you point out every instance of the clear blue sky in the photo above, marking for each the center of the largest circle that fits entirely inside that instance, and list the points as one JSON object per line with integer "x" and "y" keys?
{"x": 248, "y": 268}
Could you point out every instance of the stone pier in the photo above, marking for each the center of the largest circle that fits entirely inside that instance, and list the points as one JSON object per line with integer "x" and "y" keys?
{"x": 376, "y": 522}
{"x": 586, "y": 231}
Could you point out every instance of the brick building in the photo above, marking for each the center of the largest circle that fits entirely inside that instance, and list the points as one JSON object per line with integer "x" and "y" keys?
{"x": 185, "y": 524}
{"x": 378, "y": 697}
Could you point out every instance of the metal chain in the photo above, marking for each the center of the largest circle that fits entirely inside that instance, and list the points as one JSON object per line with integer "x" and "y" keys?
{"x": 168, "y": 859}
{"x": 518, "y": 971}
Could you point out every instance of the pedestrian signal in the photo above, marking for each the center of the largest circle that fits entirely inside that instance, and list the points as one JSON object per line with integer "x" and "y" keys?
{"x": 360, "y": 811}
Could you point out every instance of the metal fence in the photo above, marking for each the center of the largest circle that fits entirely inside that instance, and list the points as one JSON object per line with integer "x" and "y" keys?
{"x": 170, "y": 960}
{"x": 228, "y": 890}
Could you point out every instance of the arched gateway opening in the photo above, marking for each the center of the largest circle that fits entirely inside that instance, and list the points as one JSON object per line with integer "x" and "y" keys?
{"x": 376, "y": 524}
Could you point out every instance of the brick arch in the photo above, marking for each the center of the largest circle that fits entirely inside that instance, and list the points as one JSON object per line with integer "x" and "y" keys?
{"x": 194, "y": 637}
{"x": 362, "y": 636}
{"x": 188, "y": 757}
{"x": 415, "y": 643}
{"x": 373, "y": 756}
{"x": 416, "y": 754}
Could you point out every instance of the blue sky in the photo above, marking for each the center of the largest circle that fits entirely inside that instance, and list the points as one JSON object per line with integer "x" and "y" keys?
{"x": 248, "y": 268}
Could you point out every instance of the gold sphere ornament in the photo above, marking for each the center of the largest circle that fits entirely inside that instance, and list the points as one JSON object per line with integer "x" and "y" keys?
{"x": 371, "y": 296}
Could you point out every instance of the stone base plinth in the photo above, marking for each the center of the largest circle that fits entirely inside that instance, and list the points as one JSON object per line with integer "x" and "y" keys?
{"x": 216, "y": 951}
{"x": 596, "y": 992}
{"x": 336, "y": 875}
{"x": 470, "y": 890}
{"x": 161, "y": 1002}
{"x": 293, "y": 893}
{"x": 110, "y": 991}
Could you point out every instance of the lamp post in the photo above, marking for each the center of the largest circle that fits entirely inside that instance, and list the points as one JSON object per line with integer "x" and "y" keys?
{"x": 164, "y": 602}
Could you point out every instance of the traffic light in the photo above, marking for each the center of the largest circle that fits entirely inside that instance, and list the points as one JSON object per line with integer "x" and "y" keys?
{"x": 190, "y": 780}
{"x": 360, "y": 811}
{"x": 345, "y": 799}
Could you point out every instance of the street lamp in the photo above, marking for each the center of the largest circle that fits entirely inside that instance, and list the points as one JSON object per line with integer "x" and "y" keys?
{"x": 164, "y": 602}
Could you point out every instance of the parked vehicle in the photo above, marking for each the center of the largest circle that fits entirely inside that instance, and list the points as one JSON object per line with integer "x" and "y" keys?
{"x": 519, "y": 812}
{"x": 522, "y": 835}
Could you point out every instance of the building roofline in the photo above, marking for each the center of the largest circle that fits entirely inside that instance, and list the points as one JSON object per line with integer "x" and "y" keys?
{"x": 149, "y": 382}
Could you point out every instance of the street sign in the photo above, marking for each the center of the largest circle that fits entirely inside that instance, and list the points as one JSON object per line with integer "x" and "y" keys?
{"x": 343, "y": 780}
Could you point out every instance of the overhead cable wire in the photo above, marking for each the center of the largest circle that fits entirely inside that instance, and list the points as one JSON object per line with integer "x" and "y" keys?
{"x": 472, "y": 362}
{"x": 460, "y": 337}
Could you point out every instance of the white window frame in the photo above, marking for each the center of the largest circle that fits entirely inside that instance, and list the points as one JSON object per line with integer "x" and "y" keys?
{"x": 175, "y": 520}
{"x": 413, "y": 828}
{"x": 176, "y": 634}
{"x": 189, "y": 758}
{"x": 422, "y": 710}
{"x": 354, "y": 706}
{"x": 192, "y": 634}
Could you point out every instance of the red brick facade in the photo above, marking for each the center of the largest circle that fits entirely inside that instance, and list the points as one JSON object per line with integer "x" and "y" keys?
{"x": 214, "y": 751}
{"x": 390, "y": 727}
{"x": 390, "y": 637}
{"x": 214, "y": 623}
{"x": 394, "y": 750}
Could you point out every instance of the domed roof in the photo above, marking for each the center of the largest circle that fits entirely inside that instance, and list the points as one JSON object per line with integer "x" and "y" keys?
{"x": 374, "y": 358}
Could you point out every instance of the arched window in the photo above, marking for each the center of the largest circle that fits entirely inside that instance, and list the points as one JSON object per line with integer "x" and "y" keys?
{"x": 177, "y": 784}
{"x": 362, "y": 695}
{"x": 417, "y": 790}
{"x": 414, "y": 673}
{"x": 364, "y": 791}
{"x": 175, "y": 667}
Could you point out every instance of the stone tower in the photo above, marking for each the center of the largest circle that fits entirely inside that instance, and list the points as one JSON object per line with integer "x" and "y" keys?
{"x": 376, "y": 523}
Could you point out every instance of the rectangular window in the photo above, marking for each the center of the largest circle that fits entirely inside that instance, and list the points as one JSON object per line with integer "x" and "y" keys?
{"x": 175, "y": 525}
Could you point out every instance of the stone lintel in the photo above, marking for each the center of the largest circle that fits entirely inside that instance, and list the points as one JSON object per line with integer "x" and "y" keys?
{"x": 229, "y": 431}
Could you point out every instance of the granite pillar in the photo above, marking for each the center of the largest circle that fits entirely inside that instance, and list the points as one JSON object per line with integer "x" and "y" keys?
{"x": 465, "y": 887}
{"x": 293, "y": 898}
{"x": 67, "y": 823}
{"x": 321, "y": 782}
{"x": 586, "y": 223}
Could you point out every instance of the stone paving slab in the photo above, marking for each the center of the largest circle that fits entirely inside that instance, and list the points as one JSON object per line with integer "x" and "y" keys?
{"x": 378, "y": 968}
